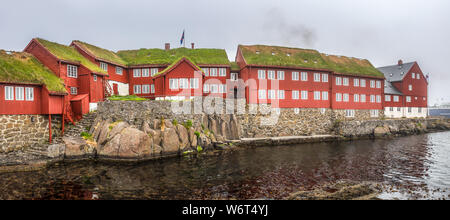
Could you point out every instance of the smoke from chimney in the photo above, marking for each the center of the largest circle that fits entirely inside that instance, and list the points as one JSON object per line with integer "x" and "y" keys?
{"x": 167, "y": 46}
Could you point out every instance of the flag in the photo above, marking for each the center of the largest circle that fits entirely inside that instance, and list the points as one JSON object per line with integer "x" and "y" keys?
{"x": 182, "y": 39}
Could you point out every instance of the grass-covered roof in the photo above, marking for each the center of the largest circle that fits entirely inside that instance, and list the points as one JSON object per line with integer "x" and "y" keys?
{"x": 306, "y": 58}
{"x": 167, "y": 57}
{"x": 17, "y": 67}
{"x": 67, "y": 53}
{"x": 101, "y": 53}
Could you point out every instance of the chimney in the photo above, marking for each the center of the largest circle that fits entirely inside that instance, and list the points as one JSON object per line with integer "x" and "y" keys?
{"x": 167, "y": 46}
{"x": 193, "y": 45}
{"x": 400, "y": 62}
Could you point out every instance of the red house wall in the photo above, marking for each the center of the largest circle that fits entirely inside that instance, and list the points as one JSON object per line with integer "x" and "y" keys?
{"x": 182, "y": 70}
{"x": 391, "y": 103}
{"x": 143, "y": 81}
{"x": 45, "y": 57}
{"x": 419, "y": 88}
{"x": 15, "y": 107}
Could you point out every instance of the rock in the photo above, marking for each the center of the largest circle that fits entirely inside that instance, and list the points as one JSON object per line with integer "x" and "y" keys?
{"x": 117, "y": 129}
{"x": 56, "y": 150}
{"x": 183, "y": 136}
{"x": 145, "y": 128}
{"x": 168, "y": 124}
{"x": 103, "y": 134}
{"x": 192, "y": 137}
{"x": 170, "y": 141}
{"x": 381, "y": 131}
{"x": 204, "y": 141}
{"x": 77, "y": 146}
{"x": 130, "y": 143}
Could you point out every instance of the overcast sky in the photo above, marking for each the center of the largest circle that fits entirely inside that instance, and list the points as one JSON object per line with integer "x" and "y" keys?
{"x": 382, "y": 31}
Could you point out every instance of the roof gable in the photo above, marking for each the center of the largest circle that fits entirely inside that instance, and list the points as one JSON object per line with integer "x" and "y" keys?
{"x": 175, "y": 64}
{"x": 100, "y": 53}
{"x": 396, "y": 73}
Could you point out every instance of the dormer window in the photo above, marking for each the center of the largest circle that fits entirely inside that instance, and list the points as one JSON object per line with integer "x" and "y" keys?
{"x": 104, "y": 66}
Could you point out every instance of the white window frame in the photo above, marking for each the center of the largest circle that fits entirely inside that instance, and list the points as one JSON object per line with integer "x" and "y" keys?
{"x": 374, "y": 113}
{"x": 355, "y": 98}
{"x": 152, "y": 88}
{"x": 396, "y": 98}
{"x": 261, "y": 74}
{"x": 378, "y": 98}
{"x": 362, "y": 98}
{"x": 316, "y": 77}
{"x": 295, "y": 94}
{"x": 173, "y": 84}
{"x": 304, "y": 76}
{"x": 324, "y": 77}
{"x": 378, "y": 84}
{"x": 214, "y": 88}
{"x": 145, "y": 72}
{"x": 410, "y": 87}
{"x": 372, "y": 83}
{"x": 387, "y": 98}
{"x": 146, "y": 89}
{"x": 73, "y": 90}
{"x": 183, "y": 83}
{"x": 206, "y": 88}
{"x": 104, "y": 66}
{"x": 345, "y": 97}
{"x": 281, "y": 94}
{"x": 223, "y": 72}
{"x": 280, "y": 75}
{"x": 20, "y": 93}
{"x": 413, "y": 75}
{"x": 262, "y": 94}
{"x": 345, "y": 81}
{"x": 234, "y": 77}
{"x": 338, "y": 97}
{"x": 29, "y": 94}
{"x": 119, "y": 70}
{"x": 355, "y": 82}
{"x": 317, "y": 95}
{"x": 408, "y": 99}
{"x": 349, "y": 113}
{"x": 304, "y": 95}
{"x": 136, "y": 73}
{"x": 271, "y": 94}
{"x": 222, "y": 88}
{"x": 137, "y": 89}
{"x": 194, "y": 83}
{"x": 325, "y": 95}
{"x": 271, "y": 74}
{"x": 154, "y": 71}
{"x": 212, "y": 72}
{"x": 72, "y": 71}
{"x": 338, "y": 81}
{"x": 9, "y": 93}
{"x": 362, "y": 82}
{"x": 295, "y": 76}
{"x": 372, "y": 99}
{"x": 206, "y": 71}
{"x": 95, "y": 78}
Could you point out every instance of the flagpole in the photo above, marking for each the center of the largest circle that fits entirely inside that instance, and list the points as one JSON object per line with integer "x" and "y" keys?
{"x": 184, "y": 42}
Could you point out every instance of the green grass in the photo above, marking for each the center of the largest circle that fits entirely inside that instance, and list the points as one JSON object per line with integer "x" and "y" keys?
{"x": 86, "y": 136}
{"x": 101, "y": 53}
{"x": 126, "y": 98}
{"x": 24, "y": 68}
{"x": 67, "y": 53}
{"x": 175, "y": 63}
{"x": 163, "y": 57}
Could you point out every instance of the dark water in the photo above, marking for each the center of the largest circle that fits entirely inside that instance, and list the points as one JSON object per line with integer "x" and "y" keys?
{"x": 414, "y": 167}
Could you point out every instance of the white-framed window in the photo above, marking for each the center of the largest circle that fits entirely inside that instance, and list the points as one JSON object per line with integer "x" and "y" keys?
{"x": 324, "y": 77}
{"x": 349, "y": 113}
{"x": 316, "y": 77}
{"x": 184, "y": 83}
{"x": 363, "y": 82}
{"x": 372, "y": 98}
{"x": 410, "y": 87}
{"x": 136, "y": 73}
{"x": 355, "y": 98}
{"x": 399, "y": 109}
{"x": 374, "y": 113}
{"x": 9, "y": 93}
{"x": 173, "y": 84}
{"x": 119, "y": 70}
{"x": 304, "y": 95}
{"x": 355, "y": 82}
{"x": 270, "y": 94}
{"x": 213, "y": 71}
{"x": 324, "y": 95}
{"x": 295, "y": 94}
{"x": 145, "y": 89}
{"x": 104, "y": 66}
{"x": 271, "y": 74}
{"x": 19, "y": 93}
{"x": 262, "y": 94}
{"x": 387, "y": 98}
{"x": 206, "y": 71}
{"x": 304, "y": 76}
{"x": 145, "y": 72}
{"x": 408, "y": 98}
{"x": 391, "y": 109}
{"x": 280, "y": 75}
{"x": 378, "y": 84}
{"x": 214, "y": 88}
{"x": 317, "y": 94}
{"x": 137, "y": 89}
{"x": 261, "y": 74}
{"x": 409, "y": 110}
{"x": 372, "y": 83}
{"x": 222, "y": 88}
{"x": 72, "y": 71}
{"x": 152, "y": 88}
{"x": 419, "y": 110}
{"x": 29, "y": 94}
{"x": 346, "y": 97}
{"x": 194, "y": 83}
{"x": 73, "y": 90}
{"x": 413, "y": 75}
{"x": 222, "y": 72}
{"x": 418, "y": 75}
{"x": 345, "y": 81}
{"x": 363, "y": 98}
{"x": 424, "y": 98}
{"x": 206, "y": 88}
{"x": 338, "y": 81}
{"x": 281, "y": 94}
{"x": 295, "y": 76}
{"x": 378, "y": 98}
{"x": 153, "y": 71}
{"x": 396, "y": 98}
{"x": 338, "y": 97}
{"x": 234, "y": 77}
{"x": 95, "y": 78}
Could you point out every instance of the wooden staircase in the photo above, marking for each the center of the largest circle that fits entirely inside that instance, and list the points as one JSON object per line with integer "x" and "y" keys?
{"x": 108, "y": 90}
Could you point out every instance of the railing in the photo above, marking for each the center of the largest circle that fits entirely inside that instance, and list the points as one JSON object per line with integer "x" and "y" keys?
{"x": 108, "y": 90}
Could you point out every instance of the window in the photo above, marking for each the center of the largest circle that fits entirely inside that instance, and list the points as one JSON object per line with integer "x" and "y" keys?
{"x": 356, "y": 82}
{"x": 173, "y": 83}
{"x": 234, "y": 77}
{"x": 73, "y": 90}
{"x": 338, "y": 97}
{"x": 280, "y": 94}
{"x": 9, "y": 93}
{"x": 262, "y": 94}
{"x": 378, "y": 98}
{"x": 295, "y": 76}
{"x": 378, "y": 84}
{"x": 324, "y": 95}
{"x": 317, "y": 94}
{"x": 408, "y": 98}
{"x": 399, "y": 109}
{"x": 305, "y": 95}
{"x": 304, "y": 76}
{"x": 213, "y": 71}
{"x": 184, "y": 83}
{"x": 391, "y": 109}
{"x": 345, "y": 81}
{"x": 271, "y": 74}
{"x": 413, "y": 75}
{"x": 363, "y": 98}
{"x": 145, "y": 89}
{"x": 372, "y": 83}
{"x": 152, "y": 88}
{"x": 119, "y": 70}
{"x": 346, "y": 97}
{"x": 194, "y": 83}
{"x": 419, "y": 110}
{"x": 316, "y": 77}
{"x": 222, "y": 72}
{"x": 349, "y": 113}
{"x": 72, "y": 71}
{"x": 372, "y": 98}
{"x": 387, "y": 98}
{"x": 206, "y": 88}
{"x": 214, "y": 88}
{"x": 324, "y": 77}
{"x": 374, "y": 113}
{"x": 356, "y": 98}
{"x": 153, "y": 71}
{"x": 280, "y": 75}
{"x": 261, "y": 74}
{"x": 104, "y": 66}
{"x": 410, "y": 87}
{"x": 271, "y": 94}
{"x": 145, "y": 72}
{"x": 363, "y": 82}
{"x": 396, "y": 98}
{"x": 19, "y": 93}
{"x": 206, "y": 71}
{"x": 29, "y": 94}
{"x": 137, "y": 89}
{"x": 409, "y": 109}
{"x": 222, "y": 88}
{"x": 136, "y": 73}
{"x": 295, "y": 94}
{"x": 338, "y": 81}
{"x": 95, "y": 78}
{"x": 418, "y": 76}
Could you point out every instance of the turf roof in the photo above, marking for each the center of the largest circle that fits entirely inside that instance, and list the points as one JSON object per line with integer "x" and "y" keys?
{"x": 67, "y": 53}
{"x": 175, "y": 63}
{"x": 101, "y": 53}
{"x": 18, "y": 67}
{"x": 306, "y": 58}
{"x": 167, "y": 57}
